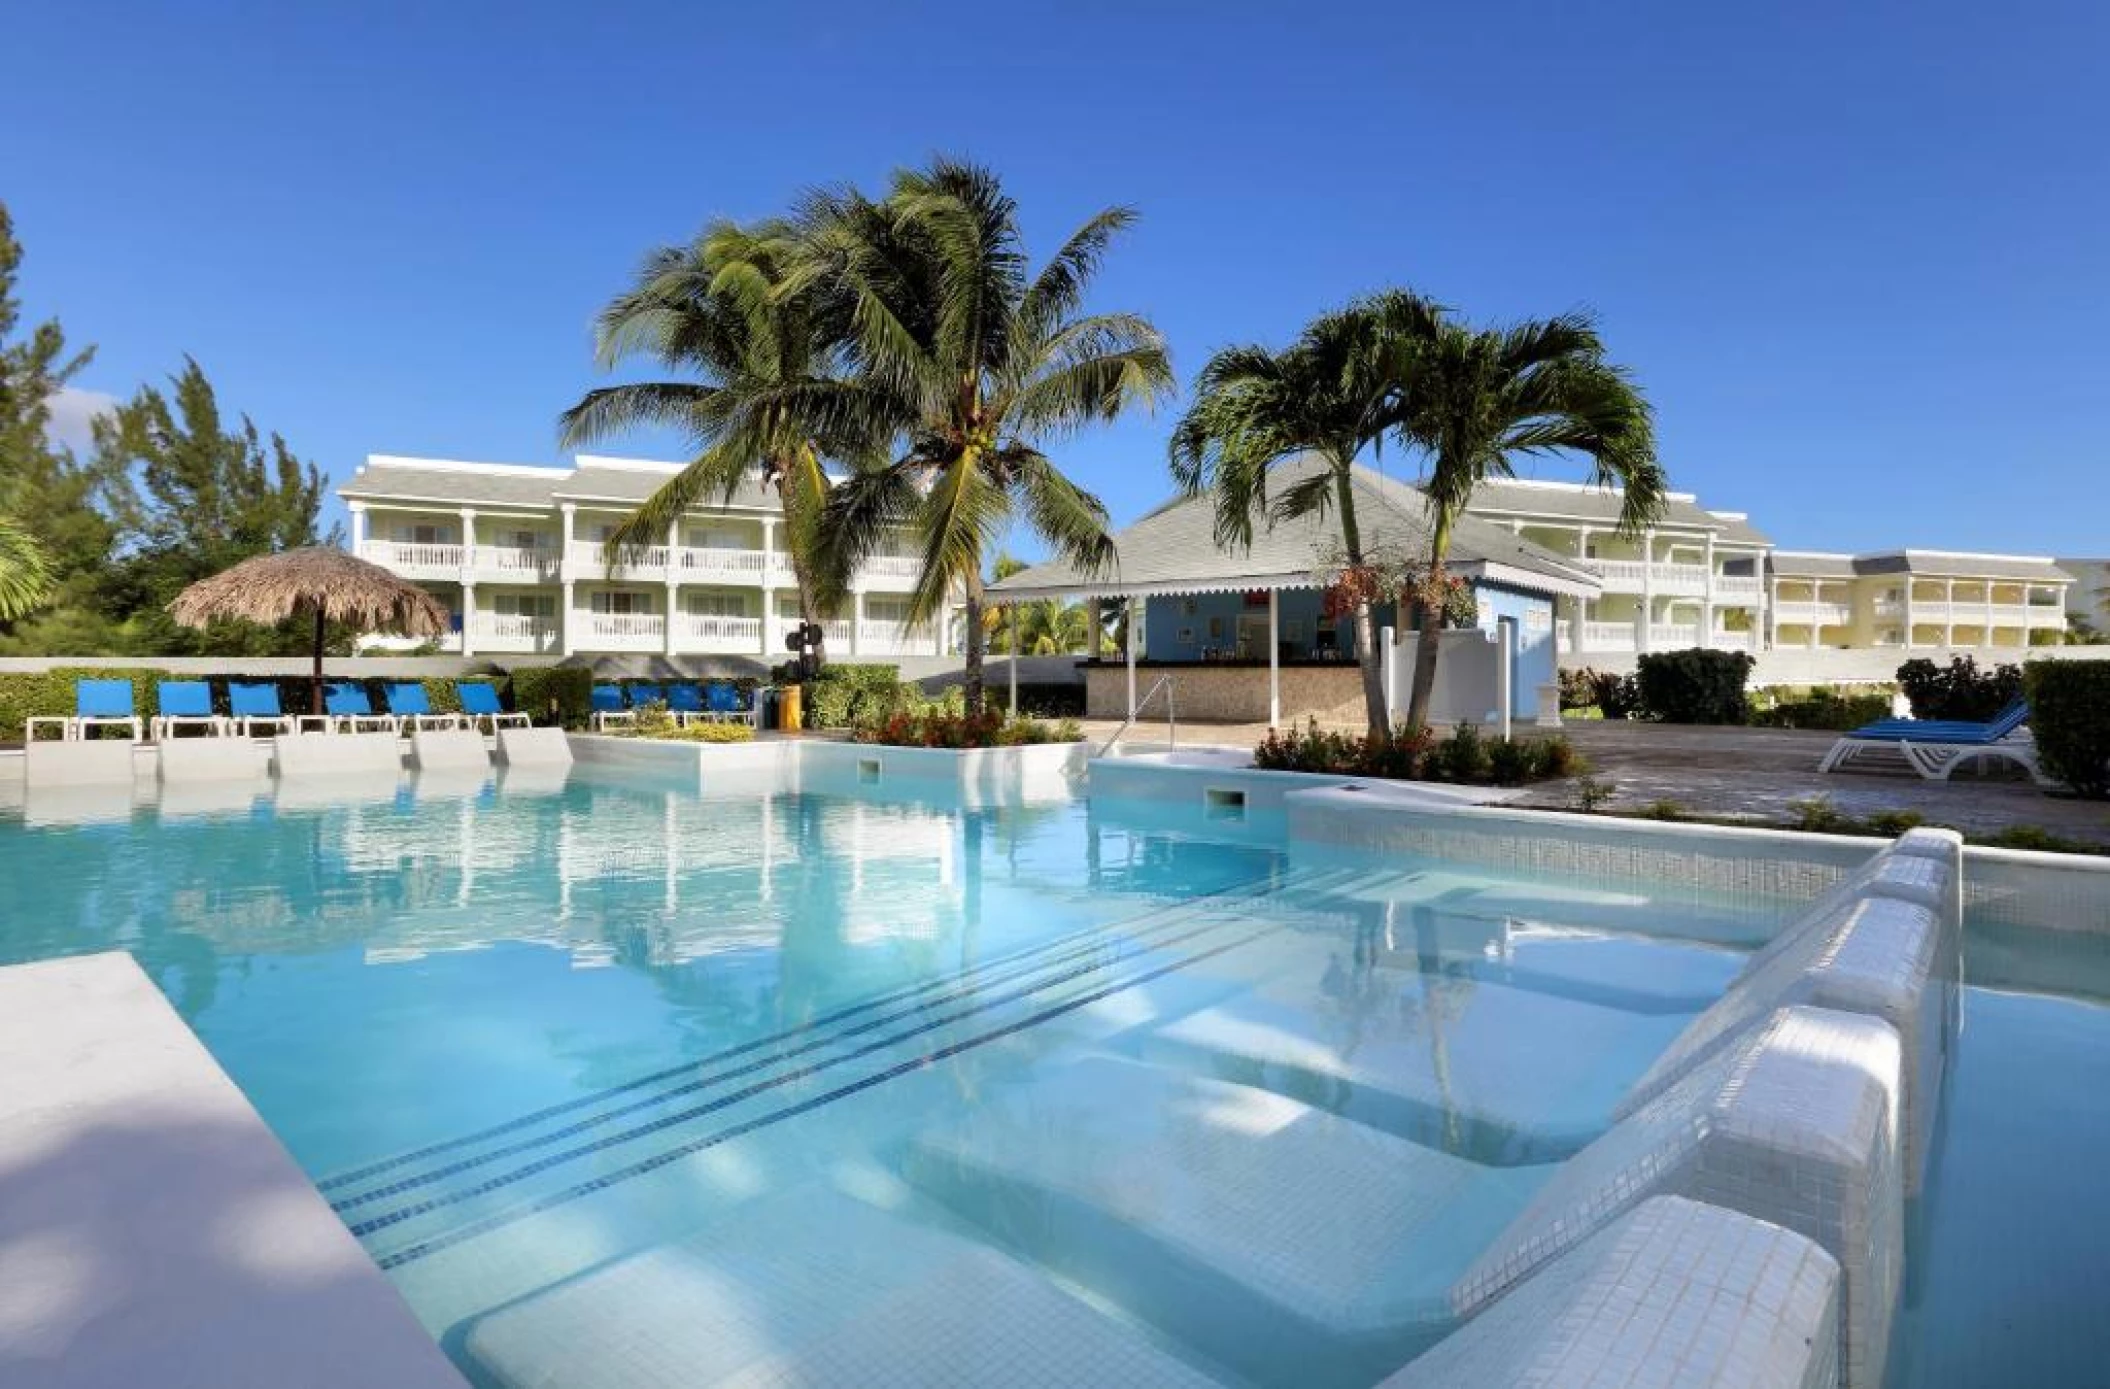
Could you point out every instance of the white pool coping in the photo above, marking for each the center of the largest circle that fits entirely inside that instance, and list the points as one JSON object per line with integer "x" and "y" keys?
{"x": 153, "y": 1231}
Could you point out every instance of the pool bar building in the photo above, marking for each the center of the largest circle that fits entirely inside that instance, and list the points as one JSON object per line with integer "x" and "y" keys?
{"x": 822, "y": 1063}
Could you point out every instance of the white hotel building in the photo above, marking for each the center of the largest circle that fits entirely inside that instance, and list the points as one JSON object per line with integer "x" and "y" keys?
{"x": 515, "y": 552}
{"x": 1709, "y": 578}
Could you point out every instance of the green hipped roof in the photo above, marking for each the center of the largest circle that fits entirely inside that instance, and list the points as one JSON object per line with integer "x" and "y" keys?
{"x": 1173, "y": 549}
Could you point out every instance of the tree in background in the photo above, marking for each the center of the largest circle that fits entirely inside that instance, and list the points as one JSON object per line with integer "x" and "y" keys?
{"x": 973, "y": 364}
{"x": 1037, "y": 627}
{"x": 1276, "y": 435}
{"x": 1473, "y": 400}
{"x": 750, "y": 354}
{"x": 209, "y": 496}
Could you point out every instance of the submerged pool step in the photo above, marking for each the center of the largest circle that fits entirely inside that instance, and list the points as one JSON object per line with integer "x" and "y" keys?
{"x": 480, "y": 1186}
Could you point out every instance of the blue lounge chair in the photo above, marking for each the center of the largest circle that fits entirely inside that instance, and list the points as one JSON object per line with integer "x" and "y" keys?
{"x": 685, "y": 703}
{"x": 642, "y": 694}
{"x": 730, "y": 705}
{"x": 609, "y": 709}
{"x": 251, "y": 704}
{"x": 1936, "y": 747}
{"x": 96, "y": 704}
{"x": 345, "y": 708}
{"x": 480, "y": 703}
{"x": 410, "y": 708}
{"x": 183, "y": 704}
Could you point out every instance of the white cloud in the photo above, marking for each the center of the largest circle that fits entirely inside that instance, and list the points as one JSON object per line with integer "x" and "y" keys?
{"x": 73, "y": 413}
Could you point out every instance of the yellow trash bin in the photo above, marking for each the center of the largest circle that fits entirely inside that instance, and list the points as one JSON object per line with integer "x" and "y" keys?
{"x": 789, "y": 715}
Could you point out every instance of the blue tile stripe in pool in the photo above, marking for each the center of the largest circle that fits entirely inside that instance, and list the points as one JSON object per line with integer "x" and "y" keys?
{"x": 667, "y": 1121}
{"x": 499, "y": 1219}
{"x": 1098, "y": 954}
{"x": 996, "y": 969}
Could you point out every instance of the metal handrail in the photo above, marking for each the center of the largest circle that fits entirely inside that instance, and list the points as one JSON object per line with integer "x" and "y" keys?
{"x": 1172, "y": 728}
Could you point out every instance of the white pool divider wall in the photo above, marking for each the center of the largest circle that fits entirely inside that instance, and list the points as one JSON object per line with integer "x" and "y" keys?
{"x": 1672, "y": 1293}
{"x": 212, "y": 759}
{"x": 336, "y": 754}
{"x": 435, "y": 748}
{"x": 534, "y": 747}
{"x": 1795, "y": 1125}
{"x": 78, "y": 762}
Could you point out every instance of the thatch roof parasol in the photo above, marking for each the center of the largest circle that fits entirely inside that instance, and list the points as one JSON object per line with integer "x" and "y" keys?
{"x": 319, "y": 579}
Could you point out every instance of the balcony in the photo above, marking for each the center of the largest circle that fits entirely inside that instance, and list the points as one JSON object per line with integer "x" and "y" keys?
{"x": 891, "y": 573}
{"x": 514, "y": 632}
{"x": 621, "y": 632}
{"x": 1737, "y": 588}
{"x": 515, "y": 564}
{"x": 1811, "y": 613}
{"x": 588, "y": 562}
{"x": 1613, "y": 637}
{"x": 1636, "y": 576}
{"x": 699, "y": 632}
{"x": 739, "y": 566}
{"x": 414, "y": 561}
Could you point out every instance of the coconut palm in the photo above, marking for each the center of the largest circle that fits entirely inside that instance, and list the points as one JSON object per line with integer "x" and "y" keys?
{"x": 1330, "y": 395}
{"x": 713, "y": 311}
{"x": 25, "y": 577}
{"x": 976, "y": 364}
{"x": 1474, "y": 400}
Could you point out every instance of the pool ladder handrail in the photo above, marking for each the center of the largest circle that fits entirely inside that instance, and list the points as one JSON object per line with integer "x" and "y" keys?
{"x": 1172, "y": 728}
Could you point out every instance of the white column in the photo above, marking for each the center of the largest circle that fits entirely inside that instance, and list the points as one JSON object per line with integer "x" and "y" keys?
{"x": 857, "y": 618}
{"x": 1274, "y": 658}
{"x": 1909, "y": 638}
{"x": 1817, "y": 599}
{"x": 1011, "y": 621}
{"x": 358, "y": 510}
{"x": 1707, "y": 594}
{"x": 468, "y": 572}
{"x": 567, "y": 621}
{"x": 468, "y": 619}
{"x": 1985, "y": 637}
{"x": 769, "y": 579}
{"x": 1132, "y": 625}
{"x": 673, "y": 581}
{"x": 1648, "y": 590}
{"x": 567, "y": 515}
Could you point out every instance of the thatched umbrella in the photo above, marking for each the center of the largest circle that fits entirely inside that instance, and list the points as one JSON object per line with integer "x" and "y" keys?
{"x": 321, "y": 580}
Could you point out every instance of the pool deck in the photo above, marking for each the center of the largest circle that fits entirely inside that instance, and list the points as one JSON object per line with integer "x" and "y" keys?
{"x": 152, "y": 1229}
{"x": 1744, "y": 772}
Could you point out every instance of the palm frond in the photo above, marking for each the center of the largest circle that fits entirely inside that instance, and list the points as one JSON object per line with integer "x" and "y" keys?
{"x": 25, "y": 573}
{"x": 1071, "y": 520}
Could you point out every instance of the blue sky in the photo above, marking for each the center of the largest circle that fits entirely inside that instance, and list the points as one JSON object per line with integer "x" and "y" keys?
{"x": 1856, "y": 254}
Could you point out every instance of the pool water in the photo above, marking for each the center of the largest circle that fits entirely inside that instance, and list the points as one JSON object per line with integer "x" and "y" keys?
{"x": 584, "y": 1061}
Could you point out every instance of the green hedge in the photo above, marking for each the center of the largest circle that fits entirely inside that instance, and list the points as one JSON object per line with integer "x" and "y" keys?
{"x": 1694, "y": 686}
{"x": 1824, "y": 709}
{"x": 2069, "y": 716}
{"x": 1959, "y": 690}
{"x": 845, "y": 694}
{"x": 553, "y": 696}
{"x": 27, "y": 695}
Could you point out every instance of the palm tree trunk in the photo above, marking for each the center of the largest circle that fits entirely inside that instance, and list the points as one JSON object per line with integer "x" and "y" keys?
{"x": 1428, "y": 645}
{"x": 1376, "y": 715}
{"x": 811, "y": 660}
{"x": 971, "y": 686}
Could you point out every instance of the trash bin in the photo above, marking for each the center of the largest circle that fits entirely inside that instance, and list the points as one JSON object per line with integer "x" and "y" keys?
{"x": 766, "y": 707}
{"x": 790, "y": 714}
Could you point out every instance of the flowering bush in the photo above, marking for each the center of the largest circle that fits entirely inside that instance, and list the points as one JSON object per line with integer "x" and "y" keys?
{"x": 1414, "y": 753}
{"x": 937, "y": 726}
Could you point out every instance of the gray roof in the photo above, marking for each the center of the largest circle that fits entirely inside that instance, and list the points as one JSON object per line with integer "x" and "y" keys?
{"x": 1569, "y": 502}
{"x": 1173, "y": 549}
{"x": 1738, "y": 530}
{"x": 509, "y": 485}
{"x": 1945, "y": 564}
{"x": 1799, "y": 564}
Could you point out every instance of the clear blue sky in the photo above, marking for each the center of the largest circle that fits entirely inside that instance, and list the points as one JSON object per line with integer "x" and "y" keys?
{"x": 1859, "y": 255}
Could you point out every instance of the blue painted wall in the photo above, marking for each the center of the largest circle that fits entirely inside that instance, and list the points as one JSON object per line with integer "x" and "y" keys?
{"x": 1534, "y": 662}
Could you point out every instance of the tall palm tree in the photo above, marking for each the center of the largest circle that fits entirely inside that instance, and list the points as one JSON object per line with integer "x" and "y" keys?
{"x": 976, "y": 363}
{"x": 25, "y": 577}
{"x": 714, "y": 311}
{"x": 1473, "y": 400}
{"x": 1329, "y": 395}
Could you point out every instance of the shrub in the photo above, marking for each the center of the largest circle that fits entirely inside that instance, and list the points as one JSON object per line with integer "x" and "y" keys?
{"x": 553, "y": 696}
{"x": 1309, "y": 749}
{"x": 934, "y": 726}
{"x": 1694, "y": 686}
{"x": 1510, "y": 762}
{"x": 1579, "y": 687}
{"x": 1558, "y": 758}
{"x": 1461, "y": 757}
{"x": 1592, "y": 792}
{"x": 1959, "y": 690}
{"x": 35, "y": 694}
{"x": 1892, "y": 823}
{"x": 1616, "y": 696}
{"x": 1665, "y": 809}
{"x": 844, "y": 694}
{"x": 1818, "y": 815}
{"x": 1825, "y": 709}
{"x": 2069, "y": 716}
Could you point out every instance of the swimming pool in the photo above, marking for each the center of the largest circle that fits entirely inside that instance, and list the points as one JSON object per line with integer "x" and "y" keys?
{"x": 589, "y": 1064}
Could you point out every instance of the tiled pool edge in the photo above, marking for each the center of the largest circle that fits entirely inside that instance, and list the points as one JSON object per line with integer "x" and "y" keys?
{"x": 159, "y": 1232}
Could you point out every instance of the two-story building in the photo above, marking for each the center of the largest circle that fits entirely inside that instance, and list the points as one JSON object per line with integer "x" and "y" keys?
{"x": 1914, "y": 599}
{"x": 516, "y": 553}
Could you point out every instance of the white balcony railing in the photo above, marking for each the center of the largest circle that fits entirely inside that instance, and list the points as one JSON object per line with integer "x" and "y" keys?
{"x": 587, "y": 557}
{"x": 1635, "y": 575}
{"x": 517, "y": 563}
{"x": 1822, "y": 614}
{"x": 879, "y": 633}
{"x": 621, "y": 631}
{"x": 694, "y": 562}
{"x": 1606, "y": 636}
{"x": 734, "y": 633}
{"x": 414, "y": 560}
{"x": 894, "y": 566}
{"x": 514, "y": 632}
{"x": 1736, "y": 586}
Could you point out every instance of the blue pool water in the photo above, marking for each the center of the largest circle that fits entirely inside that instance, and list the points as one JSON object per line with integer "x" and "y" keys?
{"x": 554, "y": 1049}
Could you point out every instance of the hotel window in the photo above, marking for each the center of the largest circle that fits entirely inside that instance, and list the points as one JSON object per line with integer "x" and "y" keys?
{"x": 621, "y": 600}
{"x": 716, "y": 604}
{"x": 521, "y": 540}
{"x": 716, "y": 538}
{"x": 425, "y": 534}
{"x": 524, "y": 604}
{"x": 886, "y": 609}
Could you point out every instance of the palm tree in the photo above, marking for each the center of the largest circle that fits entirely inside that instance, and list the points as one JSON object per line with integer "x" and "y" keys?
{"x": 715, "y": 311}
{"x": 1474, "y": 400}
{"x": 1330, "y": 395}
{"x": 25, "y": 577}
{"x": 975, "y": 364}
